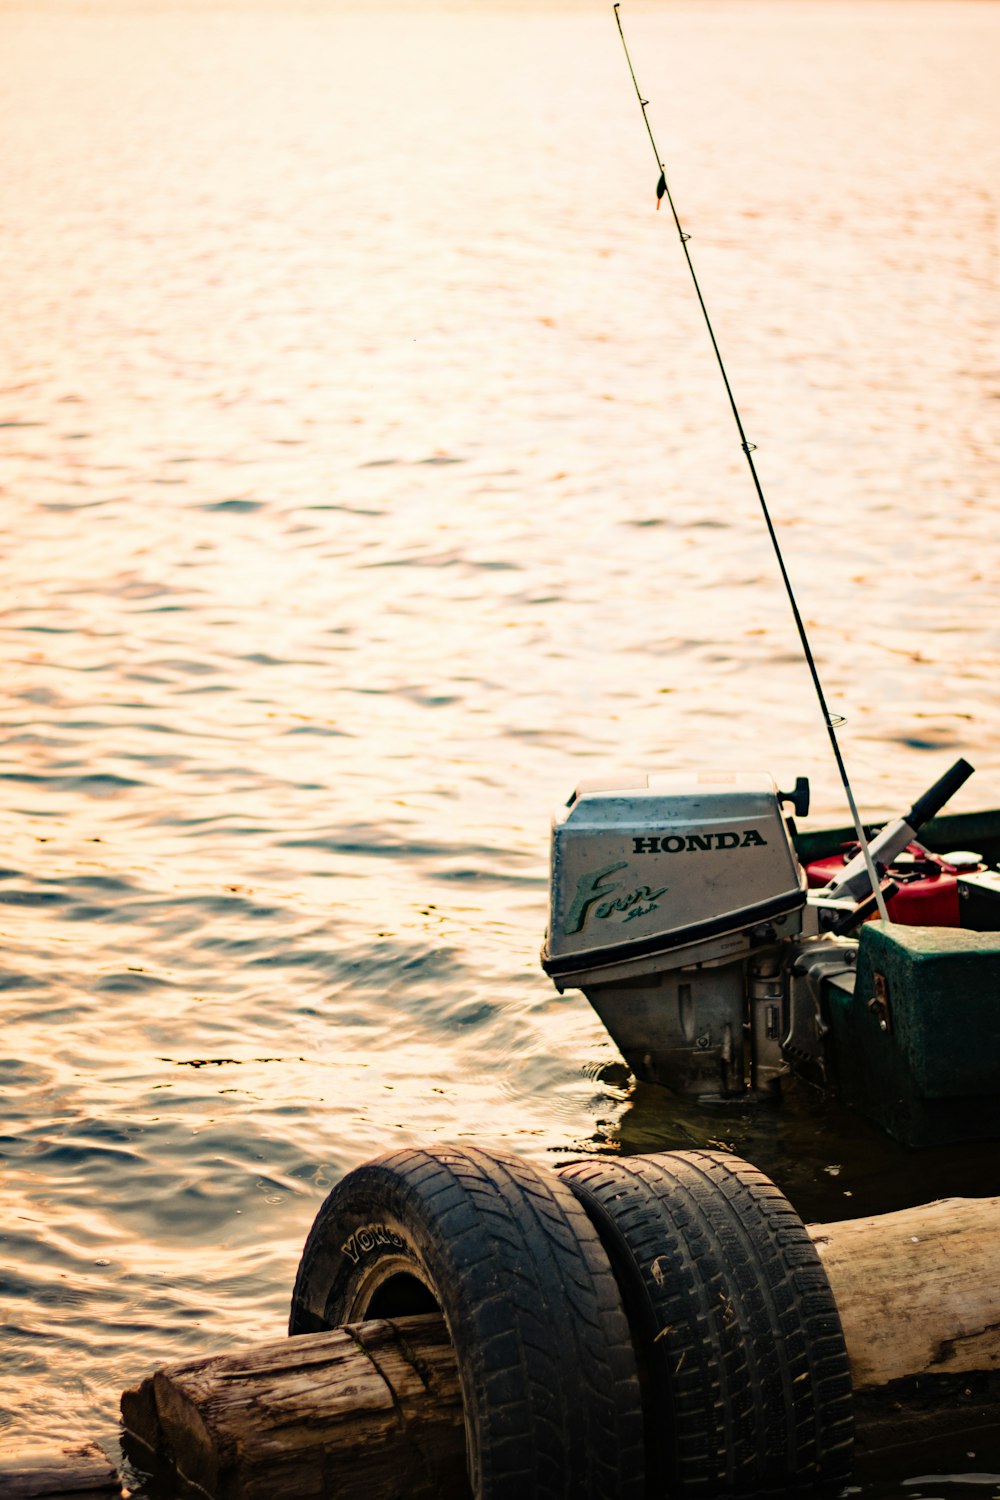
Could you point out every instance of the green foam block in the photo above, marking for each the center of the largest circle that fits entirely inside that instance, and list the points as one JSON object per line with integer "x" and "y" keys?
{"x": 917, "y": 1045}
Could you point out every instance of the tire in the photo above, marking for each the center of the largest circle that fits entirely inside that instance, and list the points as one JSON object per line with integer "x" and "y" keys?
{"x": 747, "y": 1387}
{"x": 553, "y": 1409}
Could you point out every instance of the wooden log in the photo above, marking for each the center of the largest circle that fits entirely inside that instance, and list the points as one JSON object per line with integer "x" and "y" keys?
{"x": 918, "y": 1294}
{"x": 372, "y": 1411}
{"x": 75, "y": 1471}
{"x": 918, "y": 1291}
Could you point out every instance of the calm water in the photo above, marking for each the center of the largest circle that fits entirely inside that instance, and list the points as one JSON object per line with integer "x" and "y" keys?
{"x": 366, "y": 481}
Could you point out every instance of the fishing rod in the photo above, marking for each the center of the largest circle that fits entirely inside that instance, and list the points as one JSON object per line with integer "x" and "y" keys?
{"x": 830, "y": 720}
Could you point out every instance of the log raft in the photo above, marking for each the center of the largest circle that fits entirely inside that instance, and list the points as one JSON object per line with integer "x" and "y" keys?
{"x": 375, "y": 1410}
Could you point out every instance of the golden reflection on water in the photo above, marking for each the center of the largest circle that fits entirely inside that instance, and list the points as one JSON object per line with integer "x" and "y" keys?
{"x": 367, "y": 481}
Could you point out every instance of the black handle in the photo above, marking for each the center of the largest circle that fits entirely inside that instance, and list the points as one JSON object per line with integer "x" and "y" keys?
{"x": 932, "y": 801}
{"x": 799, "y": 798}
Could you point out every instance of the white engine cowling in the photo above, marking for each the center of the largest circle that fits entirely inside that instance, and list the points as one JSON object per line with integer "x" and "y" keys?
{"x": 676, "y": 869}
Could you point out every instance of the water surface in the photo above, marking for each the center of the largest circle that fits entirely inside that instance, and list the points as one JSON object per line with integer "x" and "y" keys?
{"x": 367, "y": 481}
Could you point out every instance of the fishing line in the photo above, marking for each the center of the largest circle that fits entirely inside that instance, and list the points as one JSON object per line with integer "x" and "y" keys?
{"x": 830, "y": 720}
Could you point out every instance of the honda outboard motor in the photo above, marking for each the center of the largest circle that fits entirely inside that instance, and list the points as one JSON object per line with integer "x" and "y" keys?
{"x": 665, "y": 895}
{"x": 680, "y": 909}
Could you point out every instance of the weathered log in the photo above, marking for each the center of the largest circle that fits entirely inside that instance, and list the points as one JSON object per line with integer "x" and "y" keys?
{"x": 372, "y": 1411}
{"x": 918, "y": 1291}
{"x": 75, "y": 1471}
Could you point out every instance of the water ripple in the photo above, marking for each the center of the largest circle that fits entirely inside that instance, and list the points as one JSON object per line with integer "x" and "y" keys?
{"x": 353, "y": 520}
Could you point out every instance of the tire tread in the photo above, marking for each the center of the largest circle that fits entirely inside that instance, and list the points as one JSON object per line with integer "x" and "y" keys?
{"x": 747, "y": 1381}
{"x": 552, "y": 1398}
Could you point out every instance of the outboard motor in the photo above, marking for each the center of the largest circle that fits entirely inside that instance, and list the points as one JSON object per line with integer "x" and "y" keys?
{"x": 681, "y": 910}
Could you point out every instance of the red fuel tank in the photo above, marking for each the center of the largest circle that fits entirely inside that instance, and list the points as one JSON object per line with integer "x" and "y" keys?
{"x": 928, "y": 886}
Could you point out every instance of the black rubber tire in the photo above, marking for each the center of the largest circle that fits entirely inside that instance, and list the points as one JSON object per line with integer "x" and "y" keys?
{"x": 747, "y": 1387}
{"x": 553, "y": 1408}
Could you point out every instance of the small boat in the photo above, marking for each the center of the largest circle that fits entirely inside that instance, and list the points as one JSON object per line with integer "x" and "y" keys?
{"x": 725, "y": 950}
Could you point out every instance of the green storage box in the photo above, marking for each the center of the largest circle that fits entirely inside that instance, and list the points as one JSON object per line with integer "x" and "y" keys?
{"x": 916, "y": 1045}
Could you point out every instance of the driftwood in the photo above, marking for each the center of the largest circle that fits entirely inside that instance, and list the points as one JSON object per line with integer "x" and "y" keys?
{"x": 918, "y": 1291}
{"x": 372, "y": 1411}
{"x": 76, "y": 1471}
